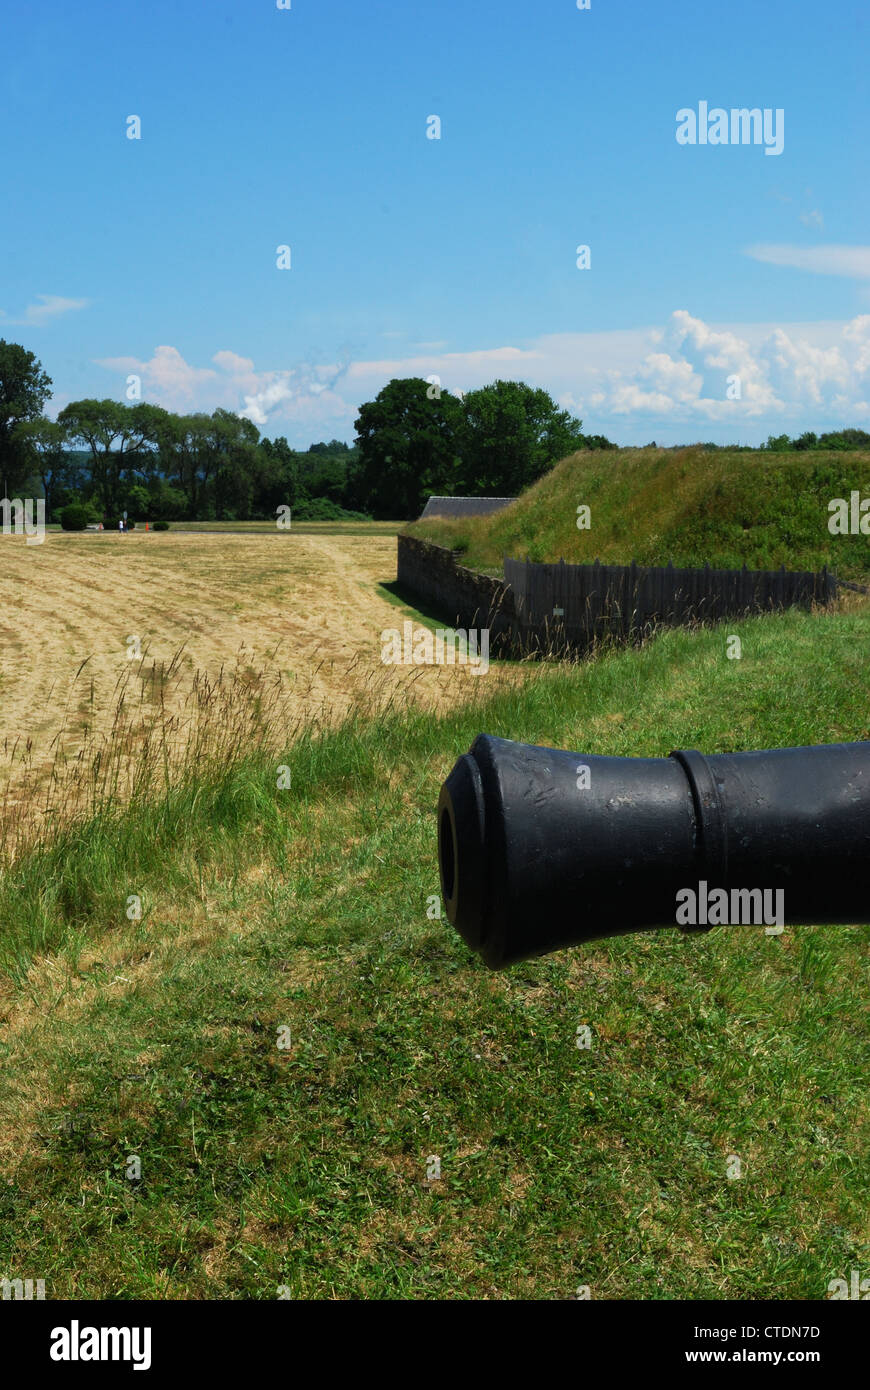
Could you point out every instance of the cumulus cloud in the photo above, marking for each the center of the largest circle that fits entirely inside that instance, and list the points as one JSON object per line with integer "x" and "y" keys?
{"x": 857, "y": 335}
{"x": 170, "y": 381}
{"x": 757, "y": 373}
{"x": 232, "y": 362}
{"x": 800, "y": 370}
{"x": 261, "y": 404}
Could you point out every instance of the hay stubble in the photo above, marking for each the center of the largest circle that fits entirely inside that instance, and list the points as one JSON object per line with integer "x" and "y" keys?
{"x": 239, "y": 631}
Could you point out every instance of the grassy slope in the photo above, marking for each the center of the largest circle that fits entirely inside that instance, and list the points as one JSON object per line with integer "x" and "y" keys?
{"x": 306, "y": 1166}
{"x": 687, "y": 506}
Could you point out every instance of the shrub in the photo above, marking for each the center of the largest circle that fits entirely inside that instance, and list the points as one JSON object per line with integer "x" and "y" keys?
{"x": 324, "y": 509}
{"x": 74, "y": 517}
{"x": 160, "y": 526}
{"x": 316, "y": 509}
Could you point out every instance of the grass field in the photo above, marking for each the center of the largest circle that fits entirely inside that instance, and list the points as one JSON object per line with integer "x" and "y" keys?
{"x": 285, "y": 1039}
{"x": 270, "y": 628}
{"x": 298, "y": 528}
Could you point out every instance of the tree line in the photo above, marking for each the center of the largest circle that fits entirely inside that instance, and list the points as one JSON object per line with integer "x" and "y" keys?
{"x": 835, "y": 439}
{"x": 412, "y": 440}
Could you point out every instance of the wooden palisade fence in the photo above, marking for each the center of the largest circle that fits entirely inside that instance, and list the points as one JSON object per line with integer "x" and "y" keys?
{"x": 546, "y": 608}
{"x": 581, "y": 602}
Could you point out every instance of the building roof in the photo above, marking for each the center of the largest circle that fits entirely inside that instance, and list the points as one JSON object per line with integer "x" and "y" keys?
{"x": 464, "y": 506}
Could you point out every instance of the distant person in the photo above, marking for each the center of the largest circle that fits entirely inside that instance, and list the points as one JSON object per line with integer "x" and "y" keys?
{"x": 121, "y": 525}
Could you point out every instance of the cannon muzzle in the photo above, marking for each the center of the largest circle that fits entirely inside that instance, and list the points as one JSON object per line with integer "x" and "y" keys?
{"x": 540, "y": 848}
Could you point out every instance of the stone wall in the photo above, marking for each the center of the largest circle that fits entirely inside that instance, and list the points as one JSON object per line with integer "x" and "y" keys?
{"x": 461, "y": 596}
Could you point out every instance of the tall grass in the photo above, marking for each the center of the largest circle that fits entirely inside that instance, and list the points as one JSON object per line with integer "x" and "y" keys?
{"x": 165, "y": 726}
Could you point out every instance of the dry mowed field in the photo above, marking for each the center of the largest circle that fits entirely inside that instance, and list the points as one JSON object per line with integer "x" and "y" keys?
{"x": 288, "y": 624}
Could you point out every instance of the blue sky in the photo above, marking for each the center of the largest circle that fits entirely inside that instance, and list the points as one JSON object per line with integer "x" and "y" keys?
{"x": 455, "y": 257}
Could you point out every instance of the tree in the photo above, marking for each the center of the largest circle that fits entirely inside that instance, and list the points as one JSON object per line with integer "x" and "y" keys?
{"x": 24, "y": 389}
{"x": 213, "y": 461}
{"x": 333, "y": 448}
{"x": 47, "y": 445}
{"x": 120, "y": 439}
{"x": 845, "y": 439}
{"x": 277, "y": 481}
{"x": 167, "y": 503}
{"x": 138, "y": 500}
{"x": 233, "y": 442}
{"x": 512, "y": 434}
{"x": 187, "y": 458}
{"x": 407, "y": 439}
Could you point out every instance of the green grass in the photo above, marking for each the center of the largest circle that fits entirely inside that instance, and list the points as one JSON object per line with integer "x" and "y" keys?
{"x": 306, "y": 1167}
{"x": 686, "y": 506}
{"x": 299, "y": 528}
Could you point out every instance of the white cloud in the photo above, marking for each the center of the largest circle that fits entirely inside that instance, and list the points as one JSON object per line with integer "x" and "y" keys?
{"x": 783, "y": 374}
{"x": 678, "y": 375}
{"x": 232, "y": 362}
{"x": 853, "y": 261}
{"x": 167, "y": 379}
{"x": 798, "y": 369}
{"x": 302, "y": 393}
{"x": 51, "y": 306}
{"x": 260, "y": 404}
{"x": 486, "y": 360}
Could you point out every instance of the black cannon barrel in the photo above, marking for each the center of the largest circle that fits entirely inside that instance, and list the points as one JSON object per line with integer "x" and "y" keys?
{"x": 541, "y": 848}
